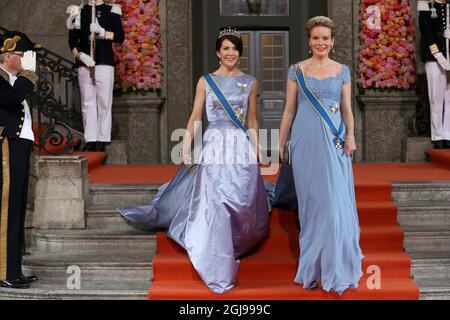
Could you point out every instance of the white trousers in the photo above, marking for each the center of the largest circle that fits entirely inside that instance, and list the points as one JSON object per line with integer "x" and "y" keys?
{"x": 439, "y": 95}
{"x": 96, "y": 102}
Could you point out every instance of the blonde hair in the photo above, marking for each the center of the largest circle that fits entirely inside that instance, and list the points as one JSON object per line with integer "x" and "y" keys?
{"x": 320, "y": 21}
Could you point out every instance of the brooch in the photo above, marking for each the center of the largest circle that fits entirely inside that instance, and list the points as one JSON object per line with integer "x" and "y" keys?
{"x": 240, "y": 114}
{"x": 242, "y": 86}
{"x": 335, "y": 107}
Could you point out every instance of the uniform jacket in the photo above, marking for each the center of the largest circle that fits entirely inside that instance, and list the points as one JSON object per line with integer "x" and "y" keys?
{"x": 108, "y": 19}
{"x": 432, "y": 29}
{"x": 12, "y": 112}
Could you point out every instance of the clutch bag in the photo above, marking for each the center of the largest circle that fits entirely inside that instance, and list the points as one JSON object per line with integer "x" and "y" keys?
{"x": 287, "y": 156}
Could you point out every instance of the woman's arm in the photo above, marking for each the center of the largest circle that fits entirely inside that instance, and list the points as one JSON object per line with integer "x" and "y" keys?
{"x": 290, "y": 110}
{"x": 347, "y": 115}
{"x": 196, "y": 115}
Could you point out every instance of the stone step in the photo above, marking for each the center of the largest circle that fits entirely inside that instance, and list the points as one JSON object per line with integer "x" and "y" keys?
{"x": 117, "y": 290}
{"x": 114, "y": 195}
{"x": 54, "y": 267}
{"x": 430, "y": 265}
{"x": 95, "y": 241}
{"x": 434, "y": 289}
{"x": 424, "y": 213}
{"x": 122, "y": 195}
{"x": 427, "y": 239}
{"x": 421, "y": 191}
{"x": 105, "y": 217}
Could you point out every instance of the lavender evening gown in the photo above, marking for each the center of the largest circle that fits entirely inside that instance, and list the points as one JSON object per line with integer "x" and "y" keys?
{"x": 219, "y": 211}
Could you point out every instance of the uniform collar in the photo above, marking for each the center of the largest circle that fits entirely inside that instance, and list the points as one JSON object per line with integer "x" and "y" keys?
{"x": 5, "y": 74}
{"x": 441, "y": 1}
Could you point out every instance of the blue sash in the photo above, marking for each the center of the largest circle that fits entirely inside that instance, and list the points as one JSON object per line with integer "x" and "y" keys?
{"x": 224, "y": 102}
{"x": 321, "y": 110}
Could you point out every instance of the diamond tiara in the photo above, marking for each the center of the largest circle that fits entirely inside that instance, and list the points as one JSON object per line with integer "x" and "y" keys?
{"x": 229, "y": 32}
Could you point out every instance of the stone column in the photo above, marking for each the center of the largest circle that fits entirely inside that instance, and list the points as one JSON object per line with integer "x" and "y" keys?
{"x": 178, "y": 70}
{"x": 346, "y": 15}
{"x": 385, "y": 118}
{"x": 139, "y": 118}
{"x": 62, "y": 192}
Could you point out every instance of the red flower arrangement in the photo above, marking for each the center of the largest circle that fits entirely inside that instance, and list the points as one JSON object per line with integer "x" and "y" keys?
{"x": 387, "y": 54}
{"x": 139, "y": 58}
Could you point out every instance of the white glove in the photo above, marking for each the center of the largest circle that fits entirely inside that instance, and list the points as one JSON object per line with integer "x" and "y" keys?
{"x": 444, "y": 63}
{"x": 87, "y": 60}
{"x": 95, "y": 27}
{"x": 29, "y": 61}
{"x": 447, "y": 33}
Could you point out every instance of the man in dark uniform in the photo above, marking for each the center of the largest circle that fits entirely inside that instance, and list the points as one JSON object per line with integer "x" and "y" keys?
{"x": 95, "y": 69}
{"x": 17, "y": 81}
{"x": 434, "y": 23}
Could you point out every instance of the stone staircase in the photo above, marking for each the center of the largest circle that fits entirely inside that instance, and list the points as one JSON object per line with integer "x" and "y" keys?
{"x": 424, "y": 215}
{"x": 114, "y": 256}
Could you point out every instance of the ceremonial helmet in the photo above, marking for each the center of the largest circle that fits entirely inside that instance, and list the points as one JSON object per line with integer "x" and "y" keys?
{"x": 16, "y": 41}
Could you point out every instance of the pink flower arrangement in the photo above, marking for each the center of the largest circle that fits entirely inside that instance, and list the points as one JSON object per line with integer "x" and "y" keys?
{"x": 139, "y": 58}
{"x": 387, "y": 54}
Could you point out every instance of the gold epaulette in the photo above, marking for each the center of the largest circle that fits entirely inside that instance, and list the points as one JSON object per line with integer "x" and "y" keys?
{"x": 30, "y": 75}
{"x": 423, "y": 6}
{"x": 4, "y": 74}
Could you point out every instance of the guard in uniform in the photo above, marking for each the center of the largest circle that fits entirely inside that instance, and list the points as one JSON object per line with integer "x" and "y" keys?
{"x": 434, "y": 23}
{"x": 95, "y": 69}
{"x": 17, "y": 81}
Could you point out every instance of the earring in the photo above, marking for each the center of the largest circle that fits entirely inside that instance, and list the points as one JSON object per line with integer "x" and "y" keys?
{"x": 334, "y": 51}
{"x": 220, "y": 61}
{"x": 309, "y": 51}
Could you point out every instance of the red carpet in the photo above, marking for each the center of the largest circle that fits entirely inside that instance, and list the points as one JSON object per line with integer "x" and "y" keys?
{"x": 95, "y": 159}
{"x": 269, "y": 272}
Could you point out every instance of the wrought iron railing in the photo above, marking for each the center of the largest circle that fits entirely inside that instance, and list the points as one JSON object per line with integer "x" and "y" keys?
{"x": 419, "y": 125}
{"x": 56, "y": 104}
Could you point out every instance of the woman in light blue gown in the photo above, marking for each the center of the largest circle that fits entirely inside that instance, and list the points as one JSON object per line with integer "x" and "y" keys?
{"x": 330, "y": 255}
{"x": 217, "y": 210}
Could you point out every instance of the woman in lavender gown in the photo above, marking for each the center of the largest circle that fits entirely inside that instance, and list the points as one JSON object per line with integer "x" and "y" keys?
{"x": 218, "y": 209}
{"x": 322, "y": 164}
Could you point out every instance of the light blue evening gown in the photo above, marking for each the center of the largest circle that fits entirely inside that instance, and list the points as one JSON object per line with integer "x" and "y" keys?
{"x": 220, "y": 210}
{"x": 323, "y": 177}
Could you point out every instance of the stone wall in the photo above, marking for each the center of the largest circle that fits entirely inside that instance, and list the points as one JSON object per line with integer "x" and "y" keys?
{"x": 44, "y": 21}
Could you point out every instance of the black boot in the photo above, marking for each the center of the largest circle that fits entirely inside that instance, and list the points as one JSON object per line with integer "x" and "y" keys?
{"x": 438, "y": 144}
{"x": 29, "y": 279}
{"x": 101, "y": 146}
{"x": 14, "y": 284}
{"x": 90, "y": 147}
{"x": 446, "y": 144}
